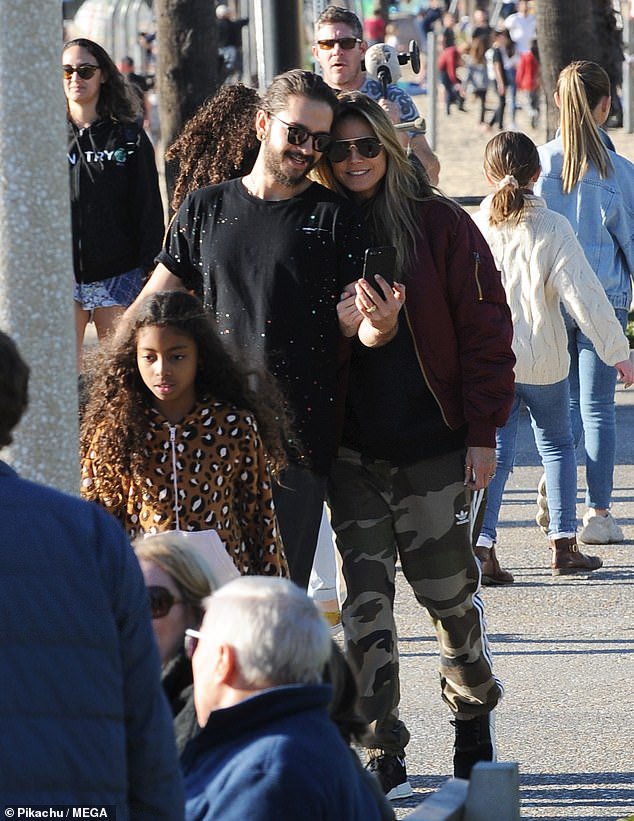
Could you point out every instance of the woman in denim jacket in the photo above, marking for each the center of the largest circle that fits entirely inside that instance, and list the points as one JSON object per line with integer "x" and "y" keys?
{"x": 594, "y": 188}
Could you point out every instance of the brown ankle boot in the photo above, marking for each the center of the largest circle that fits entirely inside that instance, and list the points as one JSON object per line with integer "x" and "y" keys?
{"x": 492, "y": 573}
{"x": 567, "y": 559}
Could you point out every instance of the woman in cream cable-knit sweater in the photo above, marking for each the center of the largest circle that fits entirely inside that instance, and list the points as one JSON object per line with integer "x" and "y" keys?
{"x": 542, "y": 264}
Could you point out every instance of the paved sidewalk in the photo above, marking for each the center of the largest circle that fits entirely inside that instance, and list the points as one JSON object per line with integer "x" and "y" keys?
{"x": 564, "y": 649}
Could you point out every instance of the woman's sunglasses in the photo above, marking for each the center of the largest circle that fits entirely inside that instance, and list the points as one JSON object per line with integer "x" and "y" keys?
{"x": 368, "y": 147}
{"x": 161, "y": 601}
{"x": 298, "y": 135}
{"x": 190, "y": 643}
{"x": 85, "y": 71}
{"x": 346, "y": 43}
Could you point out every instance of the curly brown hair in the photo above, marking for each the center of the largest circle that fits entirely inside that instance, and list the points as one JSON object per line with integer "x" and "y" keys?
{"x": 118, "y": 399}
{"x": 218, "y": 143}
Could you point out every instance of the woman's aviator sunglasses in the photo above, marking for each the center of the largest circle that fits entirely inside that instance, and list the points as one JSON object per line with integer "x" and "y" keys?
{"x": 368, "y": 147}
{"x": 298, "y": 135}
{"x": 85, "y": 71}
{"x": 161, "y": 601}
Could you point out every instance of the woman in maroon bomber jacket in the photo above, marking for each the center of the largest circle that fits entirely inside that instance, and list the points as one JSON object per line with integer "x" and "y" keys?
{"x": 418, "y": 436}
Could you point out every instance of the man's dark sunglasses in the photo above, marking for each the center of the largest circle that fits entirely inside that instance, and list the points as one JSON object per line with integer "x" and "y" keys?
{"x": 298, "y": 135}
{"x": 368, "y": 147}
{"x": 346, "y": 43}
{"x": 161, "y": 601}
{"x": 85, "y": 71}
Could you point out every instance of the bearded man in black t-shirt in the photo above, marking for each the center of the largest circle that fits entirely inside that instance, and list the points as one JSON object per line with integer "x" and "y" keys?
{"x": 271, "y": 253}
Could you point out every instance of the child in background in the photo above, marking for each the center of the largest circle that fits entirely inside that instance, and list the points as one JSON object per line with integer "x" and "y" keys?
{"x": 594, "y": 188}
{"x": 477, "y": 76}
{"x": 448, "y": 63}
{"x": 173, "y": 438}
{"x": 528, "y": 79}
{"x": 496, "y": 57}
{"x": 542, "y": 264}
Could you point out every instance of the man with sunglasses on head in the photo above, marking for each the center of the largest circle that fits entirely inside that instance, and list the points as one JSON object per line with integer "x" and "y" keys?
{"x": 84, "y": 718}
{"x": 271, "y": 252}
{"x": 339, "y": 48}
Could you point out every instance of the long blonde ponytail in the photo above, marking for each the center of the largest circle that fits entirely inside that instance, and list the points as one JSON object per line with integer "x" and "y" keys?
{"x": 581, "y": 86}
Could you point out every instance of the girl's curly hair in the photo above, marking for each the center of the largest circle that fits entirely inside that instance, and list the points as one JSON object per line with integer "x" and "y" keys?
{"x": 118, "y": 400}
{"x": 116, "y": 100}
{"x": 218, "y": 143}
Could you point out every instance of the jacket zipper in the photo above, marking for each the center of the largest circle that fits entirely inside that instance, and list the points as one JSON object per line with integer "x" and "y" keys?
{"x": 476, "y": 257}
{"x": 422, "y": 369}
{"x": 172, "y": 429}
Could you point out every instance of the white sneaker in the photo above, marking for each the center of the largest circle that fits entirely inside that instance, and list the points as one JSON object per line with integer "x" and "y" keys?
{"x": 600, "y": 530}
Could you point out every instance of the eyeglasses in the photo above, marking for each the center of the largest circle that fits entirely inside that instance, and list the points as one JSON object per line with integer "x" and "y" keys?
{"x": 368, "y": 147}
{"x": 85, "y": 71}
{"x": 346, "y": 43}
{"x": 190, "y": 643}
{"x": 161, "y": 601}
{"x": 298, "y": 135}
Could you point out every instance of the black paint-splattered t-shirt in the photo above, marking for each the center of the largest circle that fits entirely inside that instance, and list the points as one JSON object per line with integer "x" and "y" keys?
{"x": 272, "y": 271}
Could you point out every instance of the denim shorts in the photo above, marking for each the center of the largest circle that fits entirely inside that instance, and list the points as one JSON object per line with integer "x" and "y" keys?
{"x": 120, "y": 290}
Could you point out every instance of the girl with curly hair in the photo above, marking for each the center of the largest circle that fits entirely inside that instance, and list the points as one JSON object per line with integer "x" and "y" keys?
{"x": 116, "y": 209}
{"x": 173, "y": 437}
{"x": 218, "y": 143}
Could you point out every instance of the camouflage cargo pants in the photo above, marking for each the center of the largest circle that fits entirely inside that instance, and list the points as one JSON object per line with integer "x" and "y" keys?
{"x": 420, "y": 514}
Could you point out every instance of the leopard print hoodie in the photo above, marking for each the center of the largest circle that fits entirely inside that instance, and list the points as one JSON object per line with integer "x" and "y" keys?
{"x": 222, "y": 479}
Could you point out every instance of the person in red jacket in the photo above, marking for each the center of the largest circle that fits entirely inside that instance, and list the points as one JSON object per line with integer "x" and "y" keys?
{"x": 374, "y": 27}
{"x": 418, "y": 439}
{"x": 448, "y": 63}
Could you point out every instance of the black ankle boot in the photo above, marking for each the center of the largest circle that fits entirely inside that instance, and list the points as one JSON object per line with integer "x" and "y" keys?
{"x": 474, "y": 742}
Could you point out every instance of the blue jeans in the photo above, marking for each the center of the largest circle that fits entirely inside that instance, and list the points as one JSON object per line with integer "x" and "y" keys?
{"x": 550, "y": 419}
{"x": 593, "y": 412}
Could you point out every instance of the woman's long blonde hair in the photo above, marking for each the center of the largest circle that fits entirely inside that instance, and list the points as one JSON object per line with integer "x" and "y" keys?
{"x": 391, "y": 214}
{"x": 581, "y": 87}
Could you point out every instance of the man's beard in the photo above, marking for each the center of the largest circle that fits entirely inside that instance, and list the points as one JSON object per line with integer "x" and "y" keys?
{"x": 273, "y": 164}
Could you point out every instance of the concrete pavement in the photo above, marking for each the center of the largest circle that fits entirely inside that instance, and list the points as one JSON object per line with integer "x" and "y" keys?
{"x": 563, "y": 647}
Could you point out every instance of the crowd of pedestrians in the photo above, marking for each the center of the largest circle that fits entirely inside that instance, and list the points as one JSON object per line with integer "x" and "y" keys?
{"x": 493, "y": 65}
{"x": 254, "y": 374}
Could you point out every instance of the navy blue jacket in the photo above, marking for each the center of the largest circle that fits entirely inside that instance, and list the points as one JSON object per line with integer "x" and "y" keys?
{"x": 275, "y": 757}
{"x": 83, "y": 718}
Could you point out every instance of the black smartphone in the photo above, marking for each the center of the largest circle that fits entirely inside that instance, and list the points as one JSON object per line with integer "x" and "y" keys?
{"x": 380, "y": 260}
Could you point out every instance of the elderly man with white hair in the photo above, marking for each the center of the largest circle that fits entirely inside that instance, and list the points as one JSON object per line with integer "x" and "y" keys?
{"x": 268, "y": 749}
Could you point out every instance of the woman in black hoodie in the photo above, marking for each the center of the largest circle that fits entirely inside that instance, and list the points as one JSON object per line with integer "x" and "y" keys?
{"x": 117, "y": 214}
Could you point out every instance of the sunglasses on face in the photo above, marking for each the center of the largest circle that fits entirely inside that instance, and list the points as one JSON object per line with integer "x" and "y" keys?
{"x": 85, "y": 71}
{"x": 190, "y": 642}
{"x": 368, "y": 147}
{"x": 298, "y": 135}
{"x": 346, "y": 43}
{"x": 161, "y": 601}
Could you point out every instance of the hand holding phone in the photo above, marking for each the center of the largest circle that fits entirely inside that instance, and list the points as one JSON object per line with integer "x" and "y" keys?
{"x": 379, "y": 260}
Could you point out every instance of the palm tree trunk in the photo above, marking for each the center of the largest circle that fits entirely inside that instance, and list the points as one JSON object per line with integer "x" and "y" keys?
{"x": 566, "y": 31}
{"x": 189, "y": 69}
